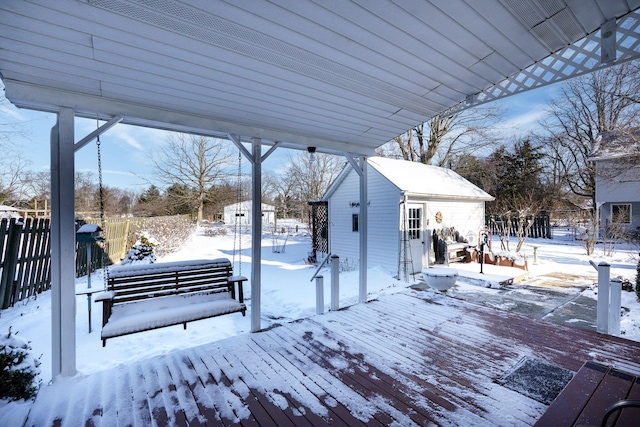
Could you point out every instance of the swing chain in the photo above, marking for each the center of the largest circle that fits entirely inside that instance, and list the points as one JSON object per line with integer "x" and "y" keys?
{"x": 237, "y": 237}
{"x": 105, "y": 258}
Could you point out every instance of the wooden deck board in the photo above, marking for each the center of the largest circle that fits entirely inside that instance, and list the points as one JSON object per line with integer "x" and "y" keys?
{"x": 449, "y": 351}
{"x": 629, "y": 416}
{"x": 405, "y": 359}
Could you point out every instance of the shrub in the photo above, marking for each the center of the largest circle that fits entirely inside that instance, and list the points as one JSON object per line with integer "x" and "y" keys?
{"x": 142, "y": 251}
{"x": 170, "y": 232}
{"x": 213, "y": 231}
{"x": 18, "y": 369}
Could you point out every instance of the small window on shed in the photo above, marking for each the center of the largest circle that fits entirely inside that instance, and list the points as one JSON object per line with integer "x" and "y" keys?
{"x": 621, "y": 213}
{"x": 354, "y": 222}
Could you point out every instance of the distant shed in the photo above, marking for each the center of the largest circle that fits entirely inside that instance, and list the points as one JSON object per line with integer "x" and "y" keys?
{"x": 240, "y": 213}
{"x": 406, "y": 202}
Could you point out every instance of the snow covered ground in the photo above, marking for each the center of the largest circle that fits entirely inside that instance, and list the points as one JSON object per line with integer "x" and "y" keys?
{"x": 287, "y": 294}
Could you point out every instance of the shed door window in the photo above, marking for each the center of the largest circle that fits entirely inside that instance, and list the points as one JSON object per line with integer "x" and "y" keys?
{"x": 621, "y": 214}
{"x": 414, "y": 223}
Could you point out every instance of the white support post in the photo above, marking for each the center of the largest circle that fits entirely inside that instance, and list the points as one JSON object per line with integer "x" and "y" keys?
{"x": 335, "y": 282}
{"x": 63, "y": 246}
{"x": 364, "y": 230}
{"x": 615, "y": 303}
{"x": 361, "y": 169}
{"x": 256, "y": 233}
{"x": 602, "y": 311}
{"x": 319, "y": 294}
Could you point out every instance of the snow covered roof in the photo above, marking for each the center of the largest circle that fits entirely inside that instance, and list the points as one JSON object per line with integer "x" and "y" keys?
{"x": 424, "y": 180}
{"x": 8, "y": 212}
{"x": 611, "y": 145}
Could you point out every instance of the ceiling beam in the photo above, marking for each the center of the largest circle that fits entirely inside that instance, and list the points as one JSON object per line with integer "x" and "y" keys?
{"x": 36, "y": 97}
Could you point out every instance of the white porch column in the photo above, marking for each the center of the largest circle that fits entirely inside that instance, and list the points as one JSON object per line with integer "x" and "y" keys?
{"x": 63, "y": 246}
{"x": 364, "y": 227}
{"x": 360, "y": 166}
{"x": 256, "y": 233}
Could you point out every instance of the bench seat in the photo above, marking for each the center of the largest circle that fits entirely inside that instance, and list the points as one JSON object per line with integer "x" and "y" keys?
{"x": 151, "y": 296}
{"x": 156, "y": 313}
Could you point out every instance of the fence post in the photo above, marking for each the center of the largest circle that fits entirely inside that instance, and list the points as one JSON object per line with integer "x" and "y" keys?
{"x": 603, "y": 298}
{"x": 335, "y": 282}
{"x": 319, "y": 294}
{"x": 615, "y": 302}
{"x": 10, "y": 263}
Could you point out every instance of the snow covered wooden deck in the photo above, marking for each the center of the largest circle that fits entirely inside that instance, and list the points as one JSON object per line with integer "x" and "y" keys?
{"x": 402, "y": 359}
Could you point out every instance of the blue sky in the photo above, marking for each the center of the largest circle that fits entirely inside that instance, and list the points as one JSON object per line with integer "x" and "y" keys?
{"x": 126, "y": 149}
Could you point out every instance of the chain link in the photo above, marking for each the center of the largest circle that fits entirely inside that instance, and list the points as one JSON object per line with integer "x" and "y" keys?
{"x": 105, "y": 258}
{"x": 237, "y": 237}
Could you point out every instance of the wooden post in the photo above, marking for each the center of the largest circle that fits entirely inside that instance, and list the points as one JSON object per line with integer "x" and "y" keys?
{"x": 319, "y": 294}
{"x": 335, "y": 282}
{"x": 615, "y": 303}
{"x": 603, "y": 298}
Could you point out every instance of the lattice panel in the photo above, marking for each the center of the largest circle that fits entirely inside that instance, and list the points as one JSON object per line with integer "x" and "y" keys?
{"x": 575, "y": 60}
{"x": 319, "y": 227}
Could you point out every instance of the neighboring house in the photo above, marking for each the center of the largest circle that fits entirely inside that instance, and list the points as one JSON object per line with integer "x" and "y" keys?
{"x": 240, "y": 213}
{"x": 617, "y": 159}
{"x": 406, "y": 202}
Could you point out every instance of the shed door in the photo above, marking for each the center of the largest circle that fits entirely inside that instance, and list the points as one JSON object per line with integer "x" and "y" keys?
{"x": 415, "y": 233}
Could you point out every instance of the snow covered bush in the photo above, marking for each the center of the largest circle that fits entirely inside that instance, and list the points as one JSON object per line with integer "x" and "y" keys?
{"x": 170, "y": 232}
{"x": 213, "y": 231}
{"x": 143, "y": 251}
{"x": 18, "y": 368}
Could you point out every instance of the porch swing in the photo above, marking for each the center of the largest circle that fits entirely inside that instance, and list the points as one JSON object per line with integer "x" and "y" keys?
{"x": 143, "y": 297}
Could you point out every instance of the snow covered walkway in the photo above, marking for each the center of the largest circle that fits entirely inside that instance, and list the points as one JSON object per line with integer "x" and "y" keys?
{"x": 410, "y": 358}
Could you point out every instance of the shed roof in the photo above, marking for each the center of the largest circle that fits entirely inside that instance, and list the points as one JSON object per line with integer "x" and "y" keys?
{"x": 418, "y": 179}
{"x": 427, "y": 180}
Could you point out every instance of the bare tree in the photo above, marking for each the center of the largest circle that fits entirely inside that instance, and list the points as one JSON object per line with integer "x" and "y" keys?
{"x": 590, "y": 106}
{"x": 194, "y": 162}
{"x": 39, "y": 189}
{"x": 85, "y": 193}
{"x": 445, "y": 136}
{"x": 307, "y": 180}
{"x": 12, "y": 184}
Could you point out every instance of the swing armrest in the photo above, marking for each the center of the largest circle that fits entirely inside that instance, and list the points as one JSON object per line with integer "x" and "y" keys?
{"x": 105, "y": 296}
{"x": 232, "y": 281}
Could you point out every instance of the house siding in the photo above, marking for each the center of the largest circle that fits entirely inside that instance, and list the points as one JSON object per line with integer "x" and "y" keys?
{"x": 615, "y": 185}
{"x": 383, "y": 219}
{"x": 605, "y": 214}
{"x": 268, "y": 213}
{"x": 466, "y": 216}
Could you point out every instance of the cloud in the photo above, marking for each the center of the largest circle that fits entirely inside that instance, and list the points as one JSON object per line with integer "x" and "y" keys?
{"x": 526, "y": 121}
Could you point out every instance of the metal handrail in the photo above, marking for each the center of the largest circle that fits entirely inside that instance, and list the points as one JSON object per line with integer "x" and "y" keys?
{"x": 621, "y": 404}
{"x": 320, "y": 266}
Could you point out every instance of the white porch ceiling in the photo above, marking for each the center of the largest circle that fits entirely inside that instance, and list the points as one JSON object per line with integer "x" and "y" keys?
{"x": 340, "y": 75}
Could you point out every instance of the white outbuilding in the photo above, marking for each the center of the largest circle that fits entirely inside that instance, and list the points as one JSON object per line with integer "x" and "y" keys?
{"x": 407, "y": 201}
{"x": 240, "y": 213}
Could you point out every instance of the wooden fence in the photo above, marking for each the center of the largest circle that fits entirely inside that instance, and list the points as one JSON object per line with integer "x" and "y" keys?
{"x": 25, "y": 253}
{"x": 25, "y": 259}
{"x": 541, "y": 227}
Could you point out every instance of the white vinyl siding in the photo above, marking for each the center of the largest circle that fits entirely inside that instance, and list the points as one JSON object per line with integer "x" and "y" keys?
{"x": 384, "y": 210}
{"x": 466, "y": 216}
{"x": 383, "y": 217}
{"x": 617, "y": 184}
